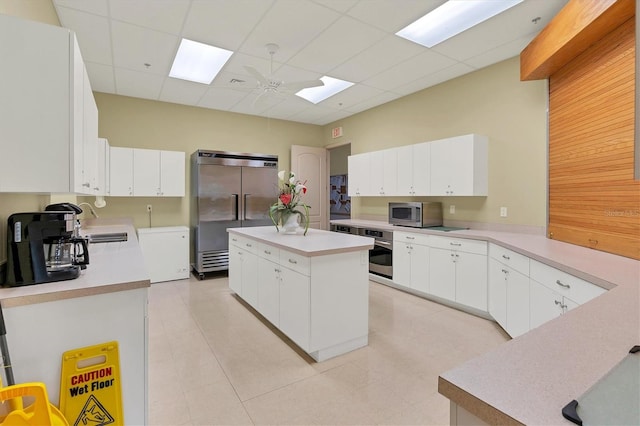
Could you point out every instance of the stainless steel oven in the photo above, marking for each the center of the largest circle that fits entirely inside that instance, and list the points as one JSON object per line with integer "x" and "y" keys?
{"x": 381, "y": 255}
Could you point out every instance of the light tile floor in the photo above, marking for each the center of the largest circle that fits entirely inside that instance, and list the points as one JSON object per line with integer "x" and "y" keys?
{"x": 214, "y": 361}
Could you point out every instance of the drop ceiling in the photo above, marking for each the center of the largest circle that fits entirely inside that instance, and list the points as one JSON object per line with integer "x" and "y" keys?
{"x": 128, "y": 47}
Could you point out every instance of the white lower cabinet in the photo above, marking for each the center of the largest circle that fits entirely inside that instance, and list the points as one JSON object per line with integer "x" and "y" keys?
{"x": 458, "y": 270}
{"x": 243, "y": 269}
{"x": 411, "y": 261}
{"x": 547, "y": 304}
{"x": 509, "y": 289}
{"x": 295, "y": 307}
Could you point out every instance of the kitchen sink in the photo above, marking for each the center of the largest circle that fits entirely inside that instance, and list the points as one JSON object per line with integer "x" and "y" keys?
{"x": 112, "y": 237}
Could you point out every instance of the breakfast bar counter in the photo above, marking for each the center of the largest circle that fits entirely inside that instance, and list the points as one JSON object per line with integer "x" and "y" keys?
{"x": 314, "y": 288}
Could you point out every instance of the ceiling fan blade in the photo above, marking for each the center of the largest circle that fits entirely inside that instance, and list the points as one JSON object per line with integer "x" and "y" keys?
{"x": 258, "y": 76}
{"x": 296, "y": 86}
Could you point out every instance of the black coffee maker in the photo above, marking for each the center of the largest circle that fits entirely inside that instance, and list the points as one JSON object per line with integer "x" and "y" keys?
{"x": 44, "y": 247}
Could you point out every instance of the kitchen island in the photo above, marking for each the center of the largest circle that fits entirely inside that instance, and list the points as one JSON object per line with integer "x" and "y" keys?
{"x": 107, "y": 302}
{"x": 313, "y": 288}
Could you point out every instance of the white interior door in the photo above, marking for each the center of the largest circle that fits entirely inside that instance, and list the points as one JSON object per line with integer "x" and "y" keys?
{"x": 310, "y": 164}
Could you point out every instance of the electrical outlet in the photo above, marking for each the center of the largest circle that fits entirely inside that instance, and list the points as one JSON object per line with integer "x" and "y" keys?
{"x": 503, "y": 212}
{"x": 452, "y": 209}
{"x": 149, "y": 208}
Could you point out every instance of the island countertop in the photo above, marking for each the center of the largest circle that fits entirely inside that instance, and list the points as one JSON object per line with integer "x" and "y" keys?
{"x": 530, "y": 378}
{"x": 115, "y": 266}
{"x": 315, "y": 243}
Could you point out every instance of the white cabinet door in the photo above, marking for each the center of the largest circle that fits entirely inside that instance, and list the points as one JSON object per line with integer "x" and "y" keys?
{"x": 358, "y": 168}
{"x": 471, "y": 280}
{"x": 103, "y": 167}
{"x": 498, "y": 292}
{"x": 250, "y": 278}
{"x": 545, "y": 304}
{"x": 419, "y": 267}
{"x": 269, "y": 290}
{"x": 172, "y": 173}
{"x": 404, "y": 158}
{"x": 295, "y": 307}
{"x": 442, "y": 273}
{"x": 517, "y": 303}
{"x": 146, "y": 172}
{"x": 383, "y": 172}
{"x": 459, "y": 166}
{"x": 89, "y": 184}
{"x": 402, "y": 263}
{"x": 120, "y": 171}
{"x": 235, "y": 269}
{"x": 421, "y": 169}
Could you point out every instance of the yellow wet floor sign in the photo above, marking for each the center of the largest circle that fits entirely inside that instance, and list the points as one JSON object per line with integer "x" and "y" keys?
{"x": 90, "y": 392}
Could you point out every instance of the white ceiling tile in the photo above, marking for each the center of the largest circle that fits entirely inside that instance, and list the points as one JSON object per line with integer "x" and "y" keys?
{"x": 224, "y": 23}
{"x": 410, "y": 70}
{"x": 97, "y": 7}
{"x": 92, "y": 32}
{"x": 134, "y": 46}
{"x": 352, "y": 96}
{"x": 434, "y": 78}
{"x": 138, "y": 84}
{"x": 374, "y": 101}
{"x": 222, "y": 98}
{"x": 181, "y": 91}
{"x": 389, "y": 51}
{"x": 101, "y": 77}
{"x": 161, "y": 15}
{"x": 500, "y": 53}
{"x": 392, "y": 16}
{"x": 338, "y": 5}
{"x": 291, "y": 24}
{"x": 340, "y": 42}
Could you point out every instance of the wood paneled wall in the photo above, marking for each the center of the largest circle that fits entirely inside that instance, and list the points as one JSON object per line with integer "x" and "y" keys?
{"x": 593, "y": 198}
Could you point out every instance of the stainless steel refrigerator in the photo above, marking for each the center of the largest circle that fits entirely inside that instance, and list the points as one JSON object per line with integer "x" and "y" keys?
{"x": 228, "y": 190}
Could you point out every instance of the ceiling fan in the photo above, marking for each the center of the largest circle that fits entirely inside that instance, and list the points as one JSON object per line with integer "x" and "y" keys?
{"x": 269, "y": 86}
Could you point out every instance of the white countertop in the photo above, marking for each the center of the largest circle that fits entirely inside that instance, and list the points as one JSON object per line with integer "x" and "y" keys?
{"x": 315, "y": 243}
{"x": 529, "y": 379}
{"x": 112, "y": 267}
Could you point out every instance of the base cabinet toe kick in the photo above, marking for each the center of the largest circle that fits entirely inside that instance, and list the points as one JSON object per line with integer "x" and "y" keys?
{"x": 320, "y": 302}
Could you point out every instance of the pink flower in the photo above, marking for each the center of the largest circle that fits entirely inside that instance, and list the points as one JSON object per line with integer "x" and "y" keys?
{"x": 285, "y": 198}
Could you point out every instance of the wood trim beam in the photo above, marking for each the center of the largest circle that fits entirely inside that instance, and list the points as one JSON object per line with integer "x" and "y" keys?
{"x": 577, "y": 26}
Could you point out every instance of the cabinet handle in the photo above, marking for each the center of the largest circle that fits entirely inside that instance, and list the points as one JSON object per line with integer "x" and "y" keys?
{"x": 248, "y": 245}
{"x": 86, "y": 184}
{"x": 505, "y": 271}
{"x": 233, "y": 239}
{"x": 504, "y": 256}
{"x": 410, "y": 238}
{"x": 267, "y": 252}
{"x": 276, "y": 270}
{"x": 557, "y": 302}
{"x": 456, "y": 244}
{"x": 295, "y": 262}
{"x": 562, "y": 284}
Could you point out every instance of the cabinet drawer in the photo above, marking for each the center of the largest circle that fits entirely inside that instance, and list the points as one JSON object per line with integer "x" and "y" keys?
{"x": 269, "y": 252}
{"x": 245, "y": 243}
{"x": 459, "y": 244}
{"x": 574, "y": 288}
{"x": 510, "y": 258}
{"x": 295, "y": 262}
{"x": 409, "y": 237}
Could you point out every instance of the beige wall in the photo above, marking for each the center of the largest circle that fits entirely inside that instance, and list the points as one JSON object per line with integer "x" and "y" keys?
{"x": 339, "y": 164}
{"x": 139, "y": 123}
{"x": 492, "y": 101}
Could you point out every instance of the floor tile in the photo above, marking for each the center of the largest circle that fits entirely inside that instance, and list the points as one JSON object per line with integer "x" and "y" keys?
{"x": 213, "y": 360}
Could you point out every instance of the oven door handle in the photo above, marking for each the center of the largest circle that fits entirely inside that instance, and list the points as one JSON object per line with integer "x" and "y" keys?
{"x": 382, "y": 243}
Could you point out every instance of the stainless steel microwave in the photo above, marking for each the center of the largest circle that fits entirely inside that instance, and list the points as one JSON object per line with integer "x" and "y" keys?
{"x": 416, "y": 215}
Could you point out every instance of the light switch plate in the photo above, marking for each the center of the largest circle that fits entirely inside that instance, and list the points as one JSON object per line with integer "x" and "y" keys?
{"x": 503, "y": 212}
{"x": 452, "y": 209}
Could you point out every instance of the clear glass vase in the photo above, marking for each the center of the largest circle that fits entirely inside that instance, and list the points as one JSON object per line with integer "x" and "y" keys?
{"x": 290, "y": 223}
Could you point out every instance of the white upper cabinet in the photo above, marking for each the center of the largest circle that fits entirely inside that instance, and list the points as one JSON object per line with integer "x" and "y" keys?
{"x": 42, "y": 108}
{"x": 459, "y": 166}
{"x": 456, "y": 166}
{"x": 146, "y": 172}
{"x": 413, "y": 165}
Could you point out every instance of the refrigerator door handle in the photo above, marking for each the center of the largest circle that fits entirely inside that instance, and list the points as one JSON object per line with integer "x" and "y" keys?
{"x": 244, "y": 207}
{"x": 236, "y": 208}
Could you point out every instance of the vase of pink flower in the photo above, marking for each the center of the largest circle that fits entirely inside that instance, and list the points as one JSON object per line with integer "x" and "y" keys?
{"x": 290, "y": 212}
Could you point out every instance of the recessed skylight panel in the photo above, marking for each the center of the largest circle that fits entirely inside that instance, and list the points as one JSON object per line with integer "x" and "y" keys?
{"x": 198, "y": 62}
{"x": 452, "y": 18}
{"x": 330, "y": 88}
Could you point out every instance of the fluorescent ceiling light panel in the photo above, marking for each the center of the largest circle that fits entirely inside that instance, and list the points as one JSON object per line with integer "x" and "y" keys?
{"x": 330, "y": 88}
{"x": 452, "y": 18}
{"x": 198, "y": 62}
